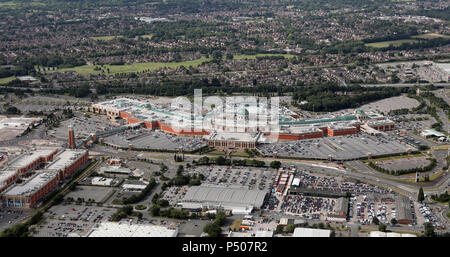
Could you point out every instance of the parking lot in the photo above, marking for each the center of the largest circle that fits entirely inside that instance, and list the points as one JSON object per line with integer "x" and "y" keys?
{"x": 427, "y": 215}
{"x": 339, "y": 148}
{"x": 10, "y": 217}
{"x": 365, "y": 207}
{"x": 174, "y": 194}
{"x": 71, "y": 220}
{"x": 158, "y": 140}
{"x": 97, "y": 193}
{"x": 413, "y": 121}
{"x": 82, "y": 126}
{"x": 314, "y": 208}
{"x": 336, "y": 184}
{"x": 404, "y": 163}
{"x": 251, "y": 178}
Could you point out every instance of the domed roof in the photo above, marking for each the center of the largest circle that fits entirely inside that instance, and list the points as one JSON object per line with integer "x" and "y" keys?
{"x": 360, "y": 112}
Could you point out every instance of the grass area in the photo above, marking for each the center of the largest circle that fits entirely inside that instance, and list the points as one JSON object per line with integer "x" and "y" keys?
{"x": 134, "y": 67}
{"x": 395, "y": 157}
{"x": 247, "y": 56}
{"x": 217, "y": 152}
{"x": 140, "y": 207}
{"x": 448, "y": 215}
{"x": 436, "y": 175}
{"x": 138, "y": 67}
{"x": 440, "y": 147}
{"x": 8, "y": 4}
{"x": 17, "y": 4}
{"x": 388, "y": 43}
{"x": 106, "y": 38}
{"x": 240, "y": 154}
{"x": 149, "y": 36}
{"x": 431, "y": 36}
{"x": 6, "y": 80}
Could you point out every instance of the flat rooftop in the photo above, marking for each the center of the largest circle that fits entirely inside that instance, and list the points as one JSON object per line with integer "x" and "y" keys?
{"x": 5, "y": 174}
{"x": 310, "y": 232}
{"x": 234, "y": 136}
{"x": 65, "y": 158}
{"x": 29, "y": 157}
{"x": 32, "y": 185}
{"x": 225, "y": 196}
{"x": 125, "y": 229}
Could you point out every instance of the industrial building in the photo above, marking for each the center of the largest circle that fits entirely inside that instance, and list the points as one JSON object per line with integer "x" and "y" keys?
{"x": 311, "y": 232}
{"x": 101, "y": 181}
{"x": 126, "y": 229}
{"x": 389, "y": 234}
{"x": 403, "y": 207}
{"x": 238, "y": 200}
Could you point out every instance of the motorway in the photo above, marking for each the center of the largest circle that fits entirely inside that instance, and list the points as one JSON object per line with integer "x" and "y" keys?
{"x": 406, "y": 85}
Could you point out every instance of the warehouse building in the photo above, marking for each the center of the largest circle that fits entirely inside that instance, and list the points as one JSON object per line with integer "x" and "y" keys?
{"x": 310, "y": 232}
{"x": 403, "y": 207}
{"x": 101, "y": 181}
{"x": 115, "y": 170}
{"x": 238, "y": 200}
{"x": 389, "y": 234}
{"x": 126, "y": 229}
{"x": 29, "y": 193}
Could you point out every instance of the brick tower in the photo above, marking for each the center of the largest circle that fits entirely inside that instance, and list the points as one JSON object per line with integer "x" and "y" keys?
{"x": 71, "y": 137}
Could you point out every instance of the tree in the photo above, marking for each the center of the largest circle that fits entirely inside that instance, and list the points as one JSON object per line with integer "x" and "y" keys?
{"x": 421, "y": 196}
{"x": 212, "y": 229}
{"x": 220, "y": 160}
{"x": 275, "y": 164}
{"x": 180, "y": 169}
{"x": 12, "y": 110}
{"x": 428, "y": 230}
{"x": 290, "y": 228}
{"x": 279, "y": 229}
{"x": 220, "y": 218}
{"x": 155, "y": 210}
{"x": 382, "y": 228}
{"x": 394, "y": 221}
{"x": 375, "y": 221}
{"x": 163, "y": 203}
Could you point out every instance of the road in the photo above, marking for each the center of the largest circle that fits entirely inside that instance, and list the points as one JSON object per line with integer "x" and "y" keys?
{"x": 406, "y": 85}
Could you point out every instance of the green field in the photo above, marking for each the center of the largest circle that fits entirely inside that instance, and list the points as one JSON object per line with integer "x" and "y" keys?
{"x": 106, "y": 38}
{"x": 6, "y": 80}
{"x": 240, "y": 154}
{"x": 134, "y": 67}
{"x": 15, "y": 5}
{"x": 138, "y": 67}
{"x": 431, "y": 36}
{"x": 149, "y": 36}
{"x": 393, "y": 42}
